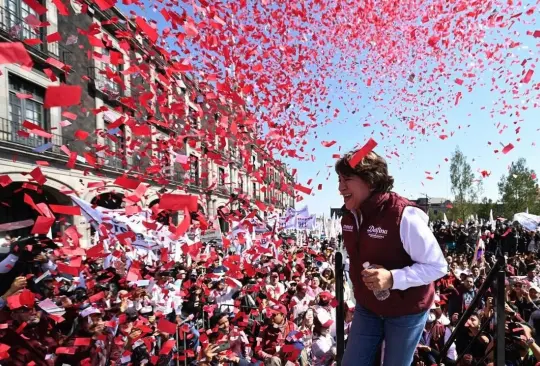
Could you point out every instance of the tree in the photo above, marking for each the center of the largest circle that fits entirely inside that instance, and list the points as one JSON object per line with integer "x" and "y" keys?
{"x": 519, "y": 189}
{"x": 435, "y": 216}
{"x": 462, "y": 178}
{"x": 483, "y": 209}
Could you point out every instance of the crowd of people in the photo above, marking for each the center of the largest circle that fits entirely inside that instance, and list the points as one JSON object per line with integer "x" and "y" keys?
{"x": 271, "y": 305}
{"x": 472, "y": 251}
{"x": 267, "y": 305}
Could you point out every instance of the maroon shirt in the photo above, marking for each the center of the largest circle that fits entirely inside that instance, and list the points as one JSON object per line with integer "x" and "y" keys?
{"x": 378, "y": 241}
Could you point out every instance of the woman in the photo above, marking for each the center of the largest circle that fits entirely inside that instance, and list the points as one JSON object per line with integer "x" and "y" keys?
{"x": 392, "y": 234}
{"x": 306, "y": 328}
{"x": 323, "y": 348}
{"x": 327, "y": 280}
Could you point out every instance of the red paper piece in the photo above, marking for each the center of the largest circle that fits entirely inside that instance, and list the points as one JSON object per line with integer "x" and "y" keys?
{"x": 175, "y": 202}
{"x": 362, "y": 153}
{"x": 66, "y": 210}
{"x": 81, "y": 135}
{"x": 105, "y": 4}
{"x": 528, "y": 76}
{"x": 14, "y": 53}
{"x": 62, "y": 95}
{"x": 5, "y": 180}
{"x": 62, "y": 9}
{"x": 166, "y": 326}
{"x": 507, "y": 148}
{"x": 127, "y": 183}
{"x": 36, "y": 6}
{"x": 150, "y": 32}
{"x": 38, "y": 176}
{"x": 302, "y": 189}
{"x": 64, "y": 268}
{"x": 167, "y": 347}
{"x": 82, "y": 341}
{"x": 328, "y": 143}
{"x": 42, "y": 225}
{"x": 54, "y": 37}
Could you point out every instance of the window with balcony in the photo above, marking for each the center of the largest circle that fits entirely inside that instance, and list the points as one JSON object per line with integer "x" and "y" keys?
{"x": 240, "y": 184}
{"x": 14, "y": 18}
{"x": 115, "y": 141}
{"x": 221, "y": 177}
{"x": 29, "y": 108}
{"x": 194, "y": 170}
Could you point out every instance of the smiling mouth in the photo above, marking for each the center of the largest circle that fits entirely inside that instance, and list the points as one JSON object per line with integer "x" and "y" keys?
{"x": 346, "y": 196}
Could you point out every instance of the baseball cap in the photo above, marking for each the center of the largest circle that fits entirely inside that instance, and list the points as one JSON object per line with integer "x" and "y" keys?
{"x": 325, "y": 319}
{"x": 325, "y": 296}
{"x": 277, "y": 308}
{"x": 302, "y": 287}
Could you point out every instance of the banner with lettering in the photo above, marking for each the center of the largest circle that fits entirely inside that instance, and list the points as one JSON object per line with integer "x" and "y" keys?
{"x": 306, "y": 223}
{"x": 120, "y": 223}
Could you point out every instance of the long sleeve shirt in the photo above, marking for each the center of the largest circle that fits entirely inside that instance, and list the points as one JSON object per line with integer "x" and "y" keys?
{"x": 420, "y": 243}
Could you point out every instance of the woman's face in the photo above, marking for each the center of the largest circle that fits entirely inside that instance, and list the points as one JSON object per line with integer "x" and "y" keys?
{"x": 354, "y": 191}
{"x": 309, "y": 317}
{"x": 315, "y": 282}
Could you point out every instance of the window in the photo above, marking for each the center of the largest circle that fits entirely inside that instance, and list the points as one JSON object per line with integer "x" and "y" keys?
{"x": 194, "y": 170}
{"x": 221, "y": 177}
{"x": 240, "y": 184}
{"x": 255, "y": 190}
{"x": 30, "y": 109}
{"x": 115, "y": 141}
{"x": 15, "y": 16}
{"x": 21, "y": 109}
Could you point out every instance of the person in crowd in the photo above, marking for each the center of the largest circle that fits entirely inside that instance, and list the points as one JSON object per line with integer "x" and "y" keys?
{"x": 301, "y": 301}
{"x": 406, "y": 266}
{"x": 323, "y": 349}
{"x": 273, "y": 336}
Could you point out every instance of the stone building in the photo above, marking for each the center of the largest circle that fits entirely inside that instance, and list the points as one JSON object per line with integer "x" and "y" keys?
{"x": 124, "y": 80}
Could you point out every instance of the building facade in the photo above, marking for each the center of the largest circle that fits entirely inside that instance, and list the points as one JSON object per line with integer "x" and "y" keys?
{"x": 136, "y": 123}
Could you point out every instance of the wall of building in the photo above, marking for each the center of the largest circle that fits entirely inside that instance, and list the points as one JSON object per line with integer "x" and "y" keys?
{"x": 17, "y": 158}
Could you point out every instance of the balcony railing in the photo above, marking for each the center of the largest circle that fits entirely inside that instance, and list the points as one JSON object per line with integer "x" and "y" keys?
{"x": 17, "y": 28}
{"x": 10, "y": 133}
{"x": 105, "y": 84}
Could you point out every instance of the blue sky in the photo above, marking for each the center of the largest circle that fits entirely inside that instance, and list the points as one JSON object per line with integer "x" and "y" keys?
{"x": 473, "y": 128}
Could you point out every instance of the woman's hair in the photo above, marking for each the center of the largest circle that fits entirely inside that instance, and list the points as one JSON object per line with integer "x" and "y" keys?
{"x": 372, "y": 169}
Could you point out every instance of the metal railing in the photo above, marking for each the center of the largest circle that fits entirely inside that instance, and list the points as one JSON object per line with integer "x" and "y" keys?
{"x": 496, "y": 281}
{"x": 18, "y": 28}
{"x": 105, "y": 84}
{"x": 340, "y": 314}
{"x": 14, "y": 133}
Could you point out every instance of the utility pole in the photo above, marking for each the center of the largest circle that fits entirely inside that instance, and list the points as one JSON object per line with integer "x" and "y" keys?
{"x": 427, "y": 202}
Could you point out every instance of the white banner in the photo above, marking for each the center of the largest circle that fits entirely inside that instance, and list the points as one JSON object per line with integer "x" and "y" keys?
{"x": 306, "y": 223}
{"x": 145, "y": 238}
{"x": 528, "y": 221}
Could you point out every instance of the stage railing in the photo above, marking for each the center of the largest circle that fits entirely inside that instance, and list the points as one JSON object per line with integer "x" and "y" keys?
{"x": 496, "y": 281}
{"x": 340, "y": 314}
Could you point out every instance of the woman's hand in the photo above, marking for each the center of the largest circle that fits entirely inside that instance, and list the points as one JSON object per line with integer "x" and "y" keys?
{"x": 378, "y": 278}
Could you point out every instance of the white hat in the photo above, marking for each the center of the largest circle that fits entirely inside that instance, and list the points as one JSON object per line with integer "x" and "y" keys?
{"x": 324, "y": 318}
{"x": 443, "y": 319}
{"x": 89, "y": 311}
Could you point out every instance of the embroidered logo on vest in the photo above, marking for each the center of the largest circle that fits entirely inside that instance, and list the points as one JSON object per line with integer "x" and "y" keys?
{"x": 348, "y": 228}
{"x": 377, "y": 232}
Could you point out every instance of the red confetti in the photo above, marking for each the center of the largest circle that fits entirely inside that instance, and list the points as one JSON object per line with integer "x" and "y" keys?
{"x": 362, "y": 153}
{"x": 12, "y": 53}
{"x": 302, "y": 189}
{"x": 62, "y": 95}
{"x": 507, "y": 148}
